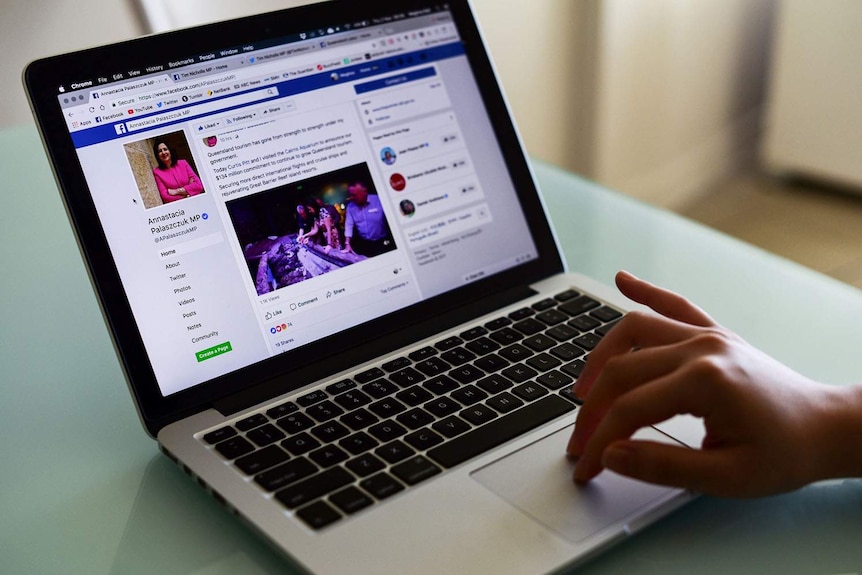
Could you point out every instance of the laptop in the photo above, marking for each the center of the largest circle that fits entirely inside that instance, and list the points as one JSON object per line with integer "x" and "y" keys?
{"x": 333, "y": 288}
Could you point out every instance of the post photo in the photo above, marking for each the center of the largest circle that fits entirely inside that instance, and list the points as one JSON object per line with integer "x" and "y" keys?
{"x": 301, "y": 230}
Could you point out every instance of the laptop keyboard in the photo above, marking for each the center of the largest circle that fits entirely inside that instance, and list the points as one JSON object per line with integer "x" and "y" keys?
{"x": 331, "y": 452}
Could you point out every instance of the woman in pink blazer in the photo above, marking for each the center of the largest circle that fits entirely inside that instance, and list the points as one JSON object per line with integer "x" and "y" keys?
{"x": 175, "y": 178}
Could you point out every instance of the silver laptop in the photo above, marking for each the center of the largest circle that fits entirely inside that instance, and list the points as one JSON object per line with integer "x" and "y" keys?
{"x": 333, "y": 288}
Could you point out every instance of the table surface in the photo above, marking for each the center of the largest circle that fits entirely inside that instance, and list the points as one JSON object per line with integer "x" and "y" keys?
{"x": 84, "y": 490}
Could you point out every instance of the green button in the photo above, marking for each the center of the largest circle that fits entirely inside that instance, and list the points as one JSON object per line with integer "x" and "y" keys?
{"x": 213, "y": 351}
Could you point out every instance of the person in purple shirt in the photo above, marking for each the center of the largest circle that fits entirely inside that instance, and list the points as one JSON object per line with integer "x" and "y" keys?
{"x": 175, "y": 178}
{"x": 365, "y": 229}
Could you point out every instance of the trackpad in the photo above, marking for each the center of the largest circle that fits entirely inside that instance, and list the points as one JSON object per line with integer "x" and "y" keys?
{"x": 538, "y": 480}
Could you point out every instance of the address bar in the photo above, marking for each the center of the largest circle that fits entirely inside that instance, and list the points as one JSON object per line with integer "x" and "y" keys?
{"x": 248, "y": 98}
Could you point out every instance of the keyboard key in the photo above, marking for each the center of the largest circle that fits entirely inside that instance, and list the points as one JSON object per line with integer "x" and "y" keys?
{"x": 300, "y": 443}
{"x": 567, "y": 351}
{"x": 248, "y": 423}
{"x": 422, "y": 354}
{"x": 506, "y": 336}
{"x": 350, "y": 500}
{"x": 469, "y": 394}
{"x": 606, "y": 314}
{"x": 499, "y": 431}
{"x": 546, "y": 303}
{"x": 281, "y": 410}
{"x": 432, "y": 366}
{"x": 522, "y": 313}
{"x": 466, "y": 374}
{"x": 567, "y": 393}
{"x": 328, "y": 455}
{"x": 498, "y": 323}
{"x": 265, "y": 434}
{"x": 387, "y": 430}
{"x": 451, "y": 426}
{"x": 324, "y": 411}
{"x": 234, "y": 447}
{"x": 358, "y": 443}
{"x": 530, "y": 326}
{"x": 295, "y": 423}
{"x": 539, "y": 342}
{"x": 406, "y": 377}
{"x": 579, "y": 305}
{"x": 519, "y": 373}
{"x": 478, "y": 414}
{"x": 352, "y": 399}
{"x": 529, "y": 391}
{"x": 413, "y": 396}
{"x": 318, "y": 515}
{"x": 574, "y": 369}
{"x": 543, "y": 362}
{"x": 415, "y": 418}
{"x": 473, "y": 333}
{"x": 380, "y": 388}
{"x": 330, "y": 431}
{"x": 584, "y": 323}
{"x": 359, "y": 419}
{"x": 396, "y": 364}
{"x": 603, "y": 331}
{"x": 313, "y": 487}
{"x": 395, "y": 451}
{"x": 388, "y": 407}
{"x": 423, "y": 439}
{"x": 365, "y": 465}
{"x": 588, "y": 341}
{"x": 482, "y": 346}
{"x": 554, "y": 380}
{"x": 260, "y": 460}
{"x": 440, "y": 385}
{"x": 414, "y": 470}
{"x": 562, "y": 332}
{"x": 442, "y": 406}
{"x": 566, "y": 295}
{"x": 552, "y": 317}
{"x": 340, "y": 386}
{"x": 219, "y": 435}
{"x": 311, "y": 398}
{"x": 458, "y": 356}
{"x": 494, "y": 384}
{"x": 285, "y": 474}
{"x": 369, "y": 375}
{"x": 491, "y": 363}
{"x": 449, "y": 343}
{"x": 515, "y": 352}
{"x": 504, "y": 402}
{"x": 381, "y": 486}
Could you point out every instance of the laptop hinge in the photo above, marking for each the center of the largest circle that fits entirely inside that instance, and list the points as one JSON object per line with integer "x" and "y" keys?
{"x": 349, "y": 358}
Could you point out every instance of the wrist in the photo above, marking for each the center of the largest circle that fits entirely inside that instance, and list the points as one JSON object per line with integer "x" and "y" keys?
{"x": 838, "y": 434}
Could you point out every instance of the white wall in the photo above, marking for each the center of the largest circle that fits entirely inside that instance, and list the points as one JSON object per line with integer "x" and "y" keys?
{"x": 680, "y": 87}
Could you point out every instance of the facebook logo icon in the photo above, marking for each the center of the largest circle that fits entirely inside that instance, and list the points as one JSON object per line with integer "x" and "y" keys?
{"x": 176, "y": 77}
{"x": 120, "y": 129}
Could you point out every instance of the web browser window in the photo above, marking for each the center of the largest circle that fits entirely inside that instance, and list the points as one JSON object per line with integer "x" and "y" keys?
{"x": 259, "y": 198}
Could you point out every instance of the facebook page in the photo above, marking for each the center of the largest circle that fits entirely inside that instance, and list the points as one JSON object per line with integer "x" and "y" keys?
{"x": 271, "y": 197}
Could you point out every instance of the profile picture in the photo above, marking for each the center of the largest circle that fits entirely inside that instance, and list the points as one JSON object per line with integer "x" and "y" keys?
{"x": 408, "y": 208}
{"x": 164, "y": 169}
{"x": 210, "y": 141}
{"x": 387, "y": 156}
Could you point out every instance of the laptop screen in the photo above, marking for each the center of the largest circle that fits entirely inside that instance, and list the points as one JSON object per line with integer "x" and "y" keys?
{"x": 260, "y": 197}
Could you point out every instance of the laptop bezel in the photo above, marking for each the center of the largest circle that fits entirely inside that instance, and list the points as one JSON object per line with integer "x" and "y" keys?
{"x": 298, "y": 368}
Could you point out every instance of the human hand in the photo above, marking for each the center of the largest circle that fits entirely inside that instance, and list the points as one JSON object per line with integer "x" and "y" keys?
{"x": 767, "y": 428}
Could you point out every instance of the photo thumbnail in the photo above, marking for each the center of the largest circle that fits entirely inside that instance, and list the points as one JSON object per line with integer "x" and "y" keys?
{"x": 307, "y": 228}
{"x": 164, "y": 169}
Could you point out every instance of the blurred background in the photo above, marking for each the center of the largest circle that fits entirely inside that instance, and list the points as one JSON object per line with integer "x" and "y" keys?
{"x": 742, "y": 114}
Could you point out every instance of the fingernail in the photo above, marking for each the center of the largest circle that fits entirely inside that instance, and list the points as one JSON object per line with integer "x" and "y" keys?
{"x": 579, "y": 475}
